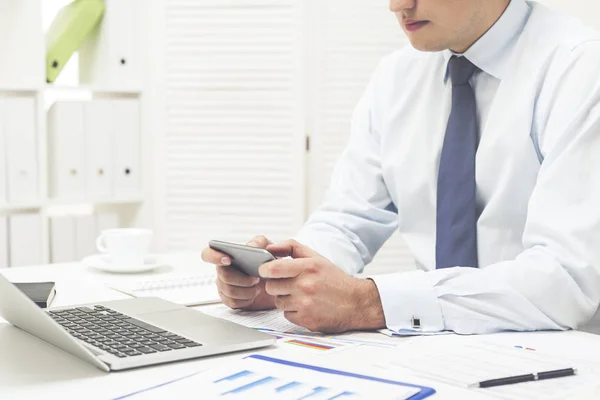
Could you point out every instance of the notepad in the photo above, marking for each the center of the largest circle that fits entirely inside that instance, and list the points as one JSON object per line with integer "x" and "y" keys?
{"x": 187, "y": 290}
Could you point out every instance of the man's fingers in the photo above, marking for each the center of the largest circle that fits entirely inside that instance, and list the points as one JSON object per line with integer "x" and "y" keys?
{"x": 279, "y": 287}
{"x": 236, "y": 292}
{"x": 259, "y": 241}
{"x": 232, "y": 276}
{"x": 214, "y": 257}
{"x": 283, "y": 268}
{"x": 233, "y": 303}
{"x": 291, "y": 248}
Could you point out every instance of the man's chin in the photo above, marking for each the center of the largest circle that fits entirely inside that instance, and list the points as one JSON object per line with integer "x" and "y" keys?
{"x": 427, "y": 45}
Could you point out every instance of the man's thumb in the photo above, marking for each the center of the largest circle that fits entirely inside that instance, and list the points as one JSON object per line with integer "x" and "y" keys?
{"x": 291, "y": 248}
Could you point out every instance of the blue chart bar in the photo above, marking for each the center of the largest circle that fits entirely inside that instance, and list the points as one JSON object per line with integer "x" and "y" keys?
{"x": 344, "y": 394}
{"x": 250, "y": 385}
{"x": 288, "y": 386}
{"x": 317, "y": 390}
{"x": 235, "y": 376}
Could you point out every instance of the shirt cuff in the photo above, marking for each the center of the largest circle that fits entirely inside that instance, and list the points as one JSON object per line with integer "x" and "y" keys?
{"x": 409, "y": 302}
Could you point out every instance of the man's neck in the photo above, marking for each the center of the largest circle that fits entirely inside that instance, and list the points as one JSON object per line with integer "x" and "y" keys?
{"x": 492, "y": 14}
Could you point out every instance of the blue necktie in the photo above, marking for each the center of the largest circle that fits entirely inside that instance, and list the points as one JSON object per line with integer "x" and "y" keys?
{"x": 456, "y": 235}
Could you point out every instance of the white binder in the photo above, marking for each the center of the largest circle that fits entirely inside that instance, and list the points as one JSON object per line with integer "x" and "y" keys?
{"x": 21, "y": 44}
{"x": 62, "y": 239}
{"x": 108, "y": 57}
{"x": 106, "y": 220}
{"x": 127, "y": 148}
{"x": 3, "y": 242}
{"x": 18, "y": 116}
{"x": 99, "y": 142}
{"x": 3, "y": 197}
{"x": 65, "y": 150}
{"x": 25, "y": 240}
{"x": 85, "y": 236}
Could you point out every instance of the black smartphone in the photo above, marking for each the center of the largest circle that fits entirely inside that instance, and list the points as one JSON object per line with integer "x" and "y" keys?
{"x": 247, "y": 259}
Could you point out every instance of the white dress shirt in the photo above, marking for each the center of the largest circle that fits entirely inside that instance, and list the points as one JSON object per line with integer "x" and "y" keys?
{"x": 538, "y": 180}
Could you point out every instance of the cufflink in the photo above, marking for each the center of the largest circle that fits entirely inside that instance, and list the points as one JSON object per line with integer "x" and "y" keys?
{"x": 416, "y": 322}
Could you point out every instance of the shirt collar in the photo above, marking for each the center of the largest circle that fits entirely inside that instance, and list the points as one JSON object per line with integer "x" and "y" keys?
{"x": 491, "y": 52}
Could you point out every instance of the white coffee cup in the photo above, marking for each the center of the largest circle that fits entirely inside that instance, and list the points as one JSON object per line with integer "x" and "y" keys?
{"x": 125, "y": 246}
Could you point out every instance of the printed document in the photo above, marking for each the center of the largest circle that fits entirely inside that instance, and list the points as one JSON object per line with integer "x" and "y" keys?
{"x": 271, "y": 319}
{"x": 462, "y": 361}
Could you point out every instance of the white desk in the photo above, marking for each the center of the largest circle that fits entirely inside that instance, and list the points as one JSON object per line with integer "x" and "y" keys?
{"x": 29, "y": 368}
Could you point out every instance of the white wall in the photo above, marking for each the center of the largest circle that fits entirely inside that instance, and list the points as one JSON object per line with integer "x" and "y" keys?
{"x": 586, "y": 10}
{"x": 234, "y": 129}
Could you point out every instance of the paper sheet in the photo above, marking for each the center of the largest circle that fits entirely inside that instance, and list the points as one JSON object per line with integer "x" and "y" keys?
{"x": 262, "y": 379}
{"x": 464, "y": 361}
{"x": 271, "y": 319}
{"x": 316, "y": 346}
{"x": 274, "y": 322}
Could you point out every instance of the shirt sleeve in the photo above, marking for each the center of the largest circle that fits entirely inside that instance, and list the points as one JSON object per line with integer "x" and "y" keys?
{"x": 358, "y": 215}
{"x": 555, "y": 283}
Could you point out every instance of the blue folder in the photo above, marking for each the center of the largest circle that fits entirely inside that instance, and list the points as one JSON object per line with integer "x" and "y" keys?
{"x": 423, "y": 393}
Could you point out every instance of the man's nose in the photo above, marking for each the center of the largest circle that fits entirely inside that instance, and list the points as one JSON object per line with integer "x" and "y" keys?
{"x": 401, "y": 5}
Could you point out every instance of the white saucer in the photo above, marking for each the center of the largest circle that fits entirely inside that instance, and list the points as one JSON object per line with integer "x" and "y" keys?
{"x": 102, "y": 262}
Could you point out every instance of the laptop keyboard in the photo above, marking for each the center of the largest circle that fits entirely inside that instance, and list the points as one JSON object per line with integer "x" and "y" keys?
{"x": 118, "y": 334}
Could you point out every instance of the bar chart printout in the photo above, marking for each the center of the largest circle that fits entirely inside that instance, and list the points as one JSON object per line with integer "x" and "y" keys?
{"x": 263, "y": 379}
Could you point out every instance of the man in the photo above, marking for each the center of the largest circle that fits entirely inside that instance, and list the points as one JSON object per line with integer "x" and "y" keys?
{"x": 482, "y": 146}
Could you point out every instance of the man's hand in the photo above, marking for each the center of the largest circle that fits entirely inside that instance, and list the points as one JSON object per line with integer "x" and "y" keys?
{"x": 317, "y": 295}
{"x": 236, "y": 289}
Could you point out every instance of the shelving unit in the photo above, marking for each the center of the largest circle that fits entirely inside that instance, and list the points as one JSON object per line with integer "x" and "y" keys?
{"x": 49, "y": 203}
{"x": 7, "y": 209}
{"x": 18, "y": 89}
{"x": 134, "y": 92}
{"x": 31, "y": 19}
{"x": 87, "y": 89}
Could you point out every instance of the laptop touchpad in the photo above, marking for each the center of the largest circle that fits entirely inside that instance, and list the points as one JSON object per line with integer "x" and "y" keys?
{"x": 176, "y": 319}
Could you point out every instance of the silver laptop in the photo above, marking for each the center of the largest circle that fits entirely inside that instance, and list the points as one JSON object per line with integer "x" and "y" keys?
{"x": 131, "y": 333}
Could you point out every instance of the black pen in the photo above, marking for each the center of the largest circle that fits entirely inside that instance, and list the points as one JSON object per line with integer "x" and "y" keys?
{"x": 559, "y": 373}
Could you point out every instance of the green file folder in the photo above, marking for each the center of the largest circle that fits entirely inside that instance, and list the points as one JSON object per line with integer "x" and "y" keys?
{"x": 69, "y": 29}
